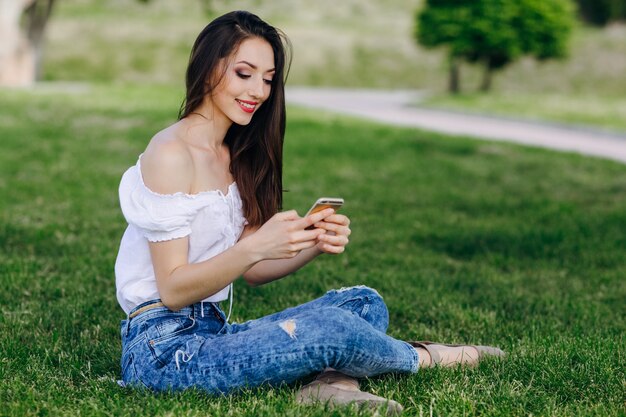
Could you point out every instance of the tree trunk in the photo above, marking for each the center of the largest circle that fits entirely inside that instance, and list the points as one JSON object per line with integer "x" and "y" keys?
{"x": 487, "y": 78}
{"x": 21, "y": 48}
{"x": 454, "y": 82}
{"x": 38, "y": 14}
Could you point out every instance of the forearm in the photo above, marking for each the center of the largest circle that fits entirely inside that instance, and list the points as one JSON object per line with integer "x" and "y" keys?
{"x": 283, "y": 242}
{"x": 191, "y": 283}
{"x": 273, "y": 269}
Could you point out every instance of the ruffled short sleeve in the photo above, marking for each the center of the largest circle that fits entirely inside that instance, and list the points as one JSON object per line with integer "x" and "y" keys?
{"x": 159, "y": 217}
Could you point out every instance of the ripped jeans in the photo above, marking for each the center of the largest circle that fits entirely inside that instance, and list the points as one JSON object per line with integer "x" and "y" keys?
{"x": 196, "y": 347}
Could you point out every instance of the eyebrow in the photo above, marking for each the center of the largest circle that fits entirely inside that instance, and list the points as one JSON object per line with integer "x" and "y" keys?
{"x": 254, "y": 66}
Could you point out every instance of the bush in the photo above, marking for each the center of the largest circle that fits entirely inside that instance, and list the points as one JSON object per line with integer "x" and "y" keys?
{"x": 495, "y": 33}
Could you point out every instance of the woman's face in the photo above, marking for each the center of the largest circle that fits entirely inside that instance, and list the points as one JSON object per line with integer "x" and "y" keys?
{"x": 247, "y": 82}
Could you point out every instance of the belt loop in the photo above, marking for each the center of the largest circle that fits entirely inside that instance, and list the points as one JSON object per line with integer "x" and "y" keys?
{"x": 127, "y": 325}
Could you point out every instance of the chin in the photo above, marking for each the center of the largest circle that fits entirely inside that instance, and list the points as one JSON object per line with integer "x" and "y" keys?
{"x": 242, "y": 122}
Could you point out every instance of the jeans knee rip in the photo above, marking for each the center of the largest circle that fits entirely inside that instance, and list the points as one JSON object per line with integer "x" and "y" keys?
{"x": 289, "y": 326}
{"x": 356, "y": 287}
{"x": 366, "y": 308}
{"x": 342, "y": 289}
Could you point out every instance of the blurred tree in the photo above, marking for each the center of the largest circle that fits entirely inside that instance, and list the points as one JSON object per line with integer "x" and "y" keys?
{"x": 22, "y": 44}
{"x": 601, "y": 12}
{"x": 494, "y": 33}
{"x": 22, "y": 28}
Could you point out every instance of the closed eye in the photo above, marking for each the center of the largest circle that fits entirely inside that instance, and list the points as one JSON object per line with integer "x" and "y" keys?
{"x": 242, "y": 75}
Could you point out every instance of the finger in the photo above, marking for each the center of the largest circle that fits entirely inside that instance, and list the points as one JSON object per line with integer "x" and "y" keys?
{"x": 303, "y": 245}
{"x": 338, "y": 219}
{"x": 332, "y": 249}
{"x": 307, "y": 235}
{"x": 334, "y": 240}
{"x": 314, "y": 218}
{"x": 332, "y": 227}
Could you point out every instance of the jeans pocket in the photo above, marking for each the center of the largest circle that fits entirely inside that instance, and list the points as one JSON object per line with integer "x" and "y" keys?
{"x": 129, "y": 372}
{"x": 172, "y": 326}
{"x": 169, "y": 334}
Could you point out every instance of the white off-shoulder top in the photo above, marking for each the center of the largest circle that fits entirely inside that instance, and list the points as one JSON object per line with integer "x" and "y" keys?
{"x": 213, "y": 221}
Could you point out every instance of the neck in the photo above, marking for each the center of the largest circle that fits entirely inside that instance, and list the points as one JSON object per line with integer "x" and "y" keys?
{"x": 209, "y": 126}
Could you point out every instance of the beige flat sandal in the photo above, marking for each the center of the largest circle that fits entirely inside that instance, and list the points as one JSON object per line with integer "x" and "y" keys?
{"x": 321, "y": 391}
{"x": 435, "y": 359}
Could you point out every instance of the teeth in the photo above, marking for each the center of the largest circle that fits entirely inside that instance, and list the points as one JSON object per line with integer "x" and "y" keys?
{"x": 246, "y": 105}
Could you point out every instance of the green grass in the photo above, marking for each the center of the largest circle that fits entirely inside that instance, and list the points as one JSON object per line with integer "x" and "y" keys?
{"x": 608, "y": 112}
{"x": 468, "y": 241}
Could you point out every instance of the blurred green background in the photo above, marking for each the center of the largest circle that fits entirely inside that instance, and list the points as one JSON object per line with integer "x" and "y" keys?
{"x": 348, "y": 43}
{"x": 351, "y": 43}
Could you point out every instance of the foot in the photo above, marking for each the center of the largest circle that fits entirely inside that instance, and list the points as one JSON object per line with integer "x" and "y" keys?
{"x": 434, "y": 354}
{"x": 336, "y": 389}
{"x": 448, "y": 356}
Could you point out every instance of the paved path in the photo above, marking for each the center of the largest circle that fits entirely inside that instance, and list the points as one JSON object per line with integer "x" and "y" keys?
{"x": 394, "y": 107}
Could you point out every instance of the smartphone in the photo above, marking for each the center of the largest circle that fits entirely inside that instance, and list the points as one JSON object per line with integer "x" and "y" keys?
{"x": 324, "y": 203}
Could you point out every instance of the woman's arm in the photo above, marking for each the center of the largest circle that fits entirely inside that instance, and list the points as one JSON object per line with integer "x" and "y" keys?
{"x": 271, "y": 270}
{"x": 333, "y": 241}
{"x": 181, "y": 283}
{"x": 166, "y": 170}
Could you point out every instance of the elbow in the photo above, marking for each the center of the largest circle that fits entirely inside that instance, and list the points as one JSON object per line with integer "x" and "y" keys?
{"x": 171, "y": 302}
{"x": 168, "y": 292}
{"x": 170, "y": 299}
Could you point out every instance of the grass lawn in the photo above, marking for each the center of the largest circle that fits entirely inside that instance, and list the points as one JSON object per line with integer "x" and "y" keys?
{"x": 607, "y": 112}
{"x": 468, "y": 241}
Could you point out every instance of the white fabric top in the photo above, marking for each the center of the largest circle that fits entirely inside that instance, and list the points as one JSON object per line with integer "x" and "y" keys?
{"x": 213, "y": 221}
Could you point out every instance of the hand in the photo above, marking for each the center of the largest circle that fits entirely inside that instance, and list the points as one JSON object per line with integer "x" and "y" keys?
{"x": 284, "y": 235}
{"x": 337, "y": 229}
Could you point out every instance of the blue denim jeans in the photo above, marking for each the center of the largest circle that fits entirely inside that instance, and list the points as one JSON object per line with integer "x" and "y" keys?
{"x": 196, "y": 347}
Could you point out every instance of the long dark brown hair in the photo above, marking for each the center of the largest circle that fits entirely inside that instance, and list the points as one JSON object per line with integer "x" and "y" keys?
{"x": 256, "y": 149}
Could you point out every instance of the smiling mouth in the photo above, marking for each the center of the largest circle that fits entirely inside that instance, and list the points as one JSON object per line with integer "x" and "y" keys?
{"x": 247, "y": 106}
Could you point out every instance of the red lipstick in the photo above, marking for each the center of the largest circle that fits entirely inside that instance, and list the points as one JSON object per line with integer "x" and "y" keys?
{"x": 247, "y": 106}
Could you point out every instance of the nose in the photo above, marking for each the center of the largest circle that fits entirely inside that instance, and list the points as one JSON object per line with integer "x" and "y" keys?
{"x": 257, "y": 89}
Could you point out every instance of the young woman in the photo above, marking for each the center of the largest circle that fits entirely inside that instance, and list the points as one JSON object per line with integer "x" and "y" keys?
{"x": 203, "y": 204}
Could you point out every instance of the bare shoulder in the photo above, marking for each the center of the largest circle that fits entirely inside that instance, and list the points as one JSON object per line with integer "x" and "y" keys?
{"x": 166, "y": 164}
